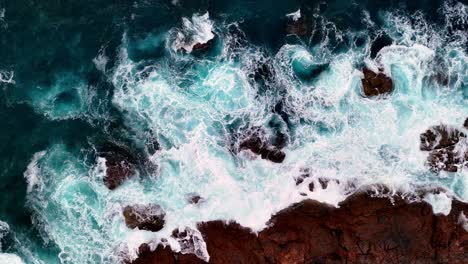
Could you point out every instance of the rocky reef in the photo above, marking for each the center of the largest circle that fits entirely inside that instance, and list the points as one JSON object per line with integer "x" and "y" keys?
{"x": 364, "y": 229}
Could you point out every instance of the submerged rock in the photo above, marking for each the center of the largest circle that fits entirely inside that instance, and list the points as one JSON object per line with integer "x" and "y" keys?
{"x": 257, "y": 143}
{"x": 194, "y": 198}
{"x": 375, "y": 84}
{"x": 144, "y": 217}
{"x": 363, "y": 229}
{"x": 296, "y": 24}
{"x": 120, "y": 165}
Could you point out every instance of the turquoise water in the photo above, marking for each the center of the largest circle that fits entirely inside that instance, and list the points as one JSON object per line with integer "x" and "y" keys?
{"x": 76, "y": 76}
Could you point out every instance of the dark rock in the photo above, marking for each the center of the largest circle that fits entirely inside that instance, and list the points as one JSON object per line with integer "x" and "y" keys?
{"x": 381, "y": 41}
{"x": 440, "y": 136}
{"x": 194, "y": 198}
{"x": 375, "y": 84}
{"x": 256, "y": 143}
{"x": 297, "y": 27}
{"x": 466, "y": 123}
{"x": 364, "y": 229}
{"x": 447, "y": 159}
{"x": 203, "y": 46}
{"x": 145, "y": 217}
{"x": 120, "y": 165}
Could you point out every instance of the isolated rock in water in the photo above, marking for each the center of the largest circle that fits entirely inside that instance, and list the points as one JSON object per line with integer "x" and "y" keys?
{"x": 466, "y": 123}
{"x": 195, "y": 34}
{"x": 296, "y": 24}
{"x": 375, "y": 84}
{"x": 257, "y": 143}
{"x": 120, "y": 165}
{"x": 363, "y": 229}
{"x": 440, "y": 136}
{"x": 194, "y": 198}
{"x": 145, "y": 217}
{"x": 381, "y": 41}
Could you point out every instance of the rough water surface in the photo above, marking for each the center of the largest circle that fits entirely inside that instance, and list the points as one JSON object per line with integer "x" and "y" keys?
{"x": 130, "y": 122}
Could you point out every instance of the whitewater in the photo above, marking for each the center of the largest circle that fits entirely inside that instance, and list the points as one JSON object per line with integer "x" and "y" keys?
{"x": 188, "y": 112}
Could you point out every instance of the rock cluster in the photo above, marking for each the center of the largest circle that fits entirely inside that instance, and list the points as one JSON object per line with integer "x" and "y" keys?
{"x": 120, "y": 164}
{"x": 447, "y": 146}
{"x": 258, "y": 144}
{"x": 363, "y": 229}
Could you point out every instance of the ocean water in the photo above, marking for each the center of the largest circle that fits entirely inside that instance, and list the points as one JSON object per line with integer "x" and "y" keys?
{"x": 76, "y": 75}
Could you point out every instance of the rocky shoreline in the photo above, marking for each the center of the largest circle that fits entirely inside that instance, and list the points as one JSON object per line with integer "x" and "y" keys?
{"x": 364, "y": 229}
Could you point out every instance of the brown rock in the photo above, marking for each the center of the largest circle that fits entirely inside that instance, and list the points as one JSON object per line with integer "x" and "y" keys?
{"x": 440, "y": 136}
{"x": 145, "y": 217}
{"x": 363, "y": 229}
{"x": 375, "y": 84}
{"x": 447, "y": 159}
{"x": 256, "y": 143}
{"x": 443, "y": 142}
{"x": 120, "y": 165}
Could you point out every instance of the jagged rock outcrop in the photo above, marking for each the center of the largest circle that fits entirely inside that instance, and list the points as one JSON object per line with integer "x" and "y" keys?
{"x": 448, "y": 148}
{"x": 144, "y": 217}
{"x": 364, "y": 229}
{"x": 120, "y": 164}
{"x": 376, "y": 83}
{"x": 257, "y": 142}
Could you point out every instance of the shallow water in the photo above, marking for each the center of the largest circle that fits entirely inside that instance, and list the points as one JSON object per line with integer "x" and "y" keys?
{"x": 87, "y": 73}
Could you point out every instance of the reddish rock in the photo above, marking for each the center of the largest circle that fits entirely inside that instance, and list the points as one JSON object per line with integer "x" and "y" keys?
{"x": 375, "y": 84}
{"x": 120, "y": 164}
{"x": 363, "y": 230}
{"x": 194, "y": 198}
{"x": 145, "y": 217}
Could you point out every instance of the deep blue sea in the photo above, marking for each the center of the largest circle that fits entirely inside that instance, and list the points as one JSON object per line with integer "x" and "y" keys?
{"x": 79, "y": 75}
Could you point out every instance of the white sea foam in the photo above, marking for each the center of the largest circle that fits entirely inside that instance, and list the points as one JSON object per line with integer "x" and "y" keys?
{"x": 441, "y": 203}
{"x": 7, "y": 77}
{"x": 198, "y": 29}
{"x": 32, "y": 173}
{"x": 7, "y": 258}
{"x": 295, "y": 15}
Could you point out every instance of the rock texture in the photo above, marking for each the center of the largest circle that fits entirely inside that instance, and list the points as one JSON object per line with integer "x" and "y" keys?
{"x": 448, "y": 148}
{"x": 376, "y": 83}
{"x": 364, "y": 229}
{"x": 120, "y": 165}
{"x": 144, "y": 217}
{"x": 256, "y": 141}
